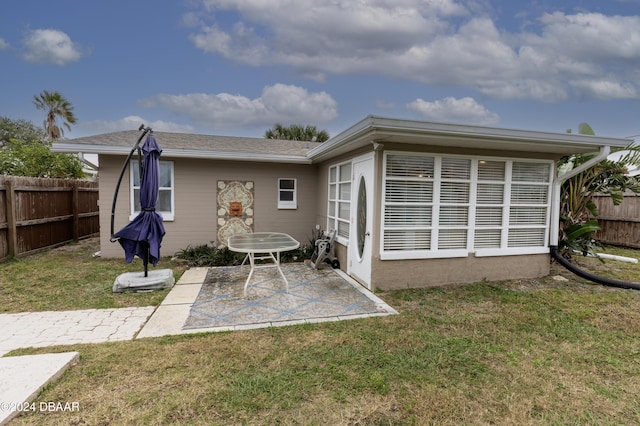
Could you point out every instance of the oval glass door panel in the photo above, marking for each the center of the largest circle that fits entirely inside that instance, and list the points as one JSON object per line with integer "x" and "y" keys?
{"x": 361, "y": 216}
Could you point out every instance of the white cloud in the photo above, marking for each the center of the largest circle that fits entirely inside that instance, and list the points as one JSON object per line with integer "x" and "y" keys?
{"x": 131, "y": 122}
{"x": 3, "y": 44}
{"x": 444, "y": 42}
{"x": 465, "y": 110}
{"x": 48, "y": 46}
{"x": 606, "y": 89}
{"x": 277, "y": 104}
{"x": 588, "y": 54}
{"x": 308, "y": 33}
{"x": 213, "y": 40}
{"x": 589, "y": 36}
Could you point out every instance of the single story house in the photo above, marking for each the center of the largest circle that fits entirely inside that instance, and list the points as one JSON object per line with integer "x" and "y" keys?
{"x": 414, "y": 203}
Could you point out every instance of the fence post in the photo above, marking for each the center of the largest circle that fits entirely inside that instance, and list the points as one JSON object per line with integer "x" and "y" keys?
{"x": 75, "y": 200}
{"x": 12, "y": 229}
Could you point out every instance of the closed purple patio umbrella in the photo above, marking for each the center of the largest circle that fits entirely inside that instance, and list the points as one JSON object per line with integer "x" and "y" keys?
{"x": 143, "y": 235}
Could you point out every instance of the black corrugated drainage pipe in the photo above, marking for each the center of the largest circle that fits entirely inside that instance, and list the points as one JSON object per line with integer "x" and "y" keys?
{"x": 589, "y": 276}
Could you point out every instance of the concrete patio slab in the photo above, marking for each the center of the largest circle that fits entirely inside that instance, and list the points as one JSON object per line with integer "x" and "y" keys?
{"x": 182, "y": 294}
{"x": 166, "y": 320}
{"x": 193, "y": 276}
{"x": 23, "y": 377}
{"x": 171, "y": 316}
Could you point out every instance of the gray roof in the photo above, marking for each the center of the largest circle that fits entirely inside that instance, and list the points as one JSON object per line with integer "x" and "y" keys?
{"x": 371, "y": 130}
{"x": 195, "y": 145}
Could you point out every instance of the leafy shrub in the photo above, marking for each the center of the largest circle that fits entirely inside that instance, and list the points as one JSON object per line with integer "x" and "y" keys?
{"x": 206, "y": 255}
{"x": 577, "y": 239}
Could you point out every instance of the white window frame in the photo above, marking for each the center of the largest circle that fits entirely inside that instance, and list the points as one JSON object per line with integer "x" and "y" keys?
{"x": 435, "y": 204}
{"x": 334, "y": 221}
{"x": 509, "y": 204}
{"x": 166, "y": 215}
{"x": 288, "y": 204}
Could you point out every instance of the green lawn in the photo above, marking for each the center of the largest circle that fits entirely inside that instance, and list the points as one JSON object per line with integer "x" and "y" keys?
{"x": 69, "y": 277}
{"x": 540, "y": 352}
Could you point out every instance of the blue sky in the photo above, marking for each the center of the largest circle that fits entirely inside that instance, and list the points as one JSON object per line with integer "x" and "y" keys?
{"x": 236, "y": 67}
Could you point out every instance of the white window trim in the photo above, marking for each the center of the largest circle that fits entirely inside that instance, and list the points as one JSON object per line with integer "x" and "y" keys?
{"x": 334, "y": 217}
{"x": 166, "y": 216}
{"x": 288, "y": 205}
{"x": 513, "y": 251}
{"x": 471, "y": 227}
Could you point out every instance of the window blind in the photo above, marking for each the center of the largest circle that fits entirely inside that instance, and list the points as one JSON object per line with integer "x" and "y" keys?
{"x": 440, "y": 203}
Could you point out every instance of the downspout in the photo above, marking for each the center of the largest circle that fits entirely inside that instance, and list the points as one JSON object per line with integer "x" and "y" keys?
{"x": 555, "y": 225}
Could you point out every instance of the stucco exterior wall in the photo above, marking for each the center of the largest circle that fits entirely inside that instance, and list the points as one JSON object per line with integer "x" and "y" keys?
{"x": 421, "y": 273}
{"x": 195, "y": 220}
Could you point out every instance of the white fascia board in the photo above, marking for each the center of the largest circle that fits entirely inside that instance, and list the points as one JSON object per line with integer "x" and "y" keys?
{"x": 236, "y": 156}
{"x": 185, "y": 153}
{"x": 483, "y": 132}
{"x": 342, "y": 138}
{"x": 73, "y": 148}
{"x": 380, "y": 129}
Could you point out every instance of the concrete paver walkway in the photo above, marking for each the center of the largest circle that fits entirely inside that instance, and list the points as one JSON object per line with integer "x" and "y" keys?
{"x": 39, "y": 329}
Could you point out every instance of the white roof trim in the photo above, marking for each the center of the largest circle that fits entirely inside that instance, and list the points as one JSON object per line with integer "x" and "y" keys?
{"x": 380, "y": 129}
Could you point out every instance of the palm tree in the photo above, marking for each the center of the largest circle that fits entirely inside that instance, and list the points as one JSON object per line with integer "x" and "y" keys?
{"x": 56, "y": 107}
{"x": 296, "y": 132}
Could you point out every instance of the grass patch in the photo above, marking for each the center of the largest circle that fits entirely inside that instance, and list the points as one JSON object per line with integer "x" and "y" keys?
{"x": 525, "y": 352}
{"x": 69, "y": 277}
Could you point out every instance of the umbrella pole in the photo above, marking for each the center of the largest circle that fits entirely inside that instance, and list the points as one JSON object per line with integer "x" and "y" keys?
{"x": 146, "y": 260}
{"x": 124, "y": 168}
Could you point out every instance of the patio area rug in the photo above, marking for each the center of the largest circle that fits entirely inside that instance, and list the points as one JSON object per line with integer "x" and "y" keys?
{"x": 314, "y": 295}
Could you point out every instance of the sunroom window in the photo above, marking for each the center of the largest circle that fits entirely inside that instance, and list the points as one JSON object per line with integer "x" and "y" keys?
{"x": 490, "y": 205}
{"x": 449, "y": 206}
{"x": 339, "y": 207}
{"x": 529, "y": 204}
{"x": 454, "y": 202}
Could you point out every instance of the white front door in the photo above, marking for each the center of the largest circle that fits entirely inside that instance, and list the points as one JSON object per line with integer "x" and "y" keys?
{"x": 359, "y": 261}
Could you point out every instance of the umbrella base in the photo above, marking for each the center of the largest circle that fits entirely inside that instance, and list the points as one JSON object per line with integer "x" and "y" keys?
{"x": 157, "y": 279}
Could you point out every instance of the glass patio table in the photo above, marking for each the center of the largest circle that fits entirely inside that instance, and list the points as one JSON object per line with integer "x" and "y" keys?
{"x": 267, "y": 245}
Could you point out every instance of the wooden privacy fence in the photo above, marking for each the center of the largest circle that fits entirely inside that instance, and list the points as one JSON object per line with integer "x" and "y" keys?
{"x": 38, "y": 213}
{"x": 620, "y": 224}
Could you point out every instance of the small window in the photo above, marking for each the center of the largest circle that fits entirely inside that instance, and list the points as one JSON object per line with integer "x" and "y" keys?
{"x": 165, "y": 204}
{"x": 287, "y": 198}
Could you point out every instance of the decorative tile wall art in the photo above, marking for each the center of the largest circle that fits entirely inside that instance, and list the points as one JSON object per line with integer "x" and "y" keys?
{"x": 235, "y": 209}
